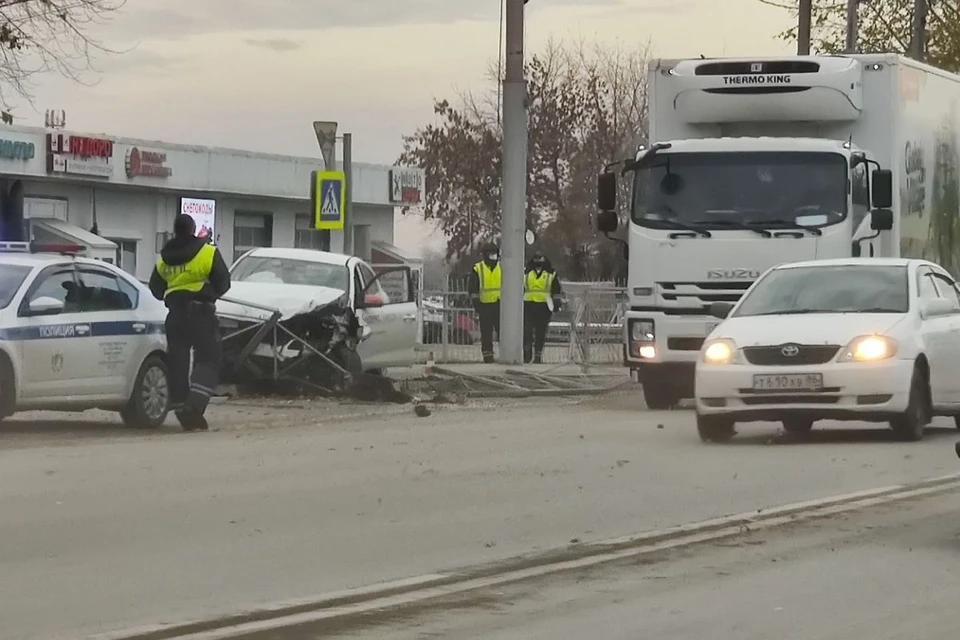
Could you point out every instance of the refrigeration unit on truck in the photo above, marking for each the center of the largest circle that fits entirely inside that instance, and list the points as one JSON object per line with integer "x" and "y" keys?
{"x": 755, "y": 162}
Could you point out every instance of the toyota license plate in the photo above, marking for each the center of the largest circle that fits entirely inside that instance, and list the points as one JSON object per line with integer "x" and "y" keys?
{"x": 788, "y": 382}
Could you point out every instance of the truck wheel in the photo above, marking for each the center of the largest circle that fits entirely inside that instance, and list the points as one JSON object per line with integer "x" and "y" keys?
{"x": 715, "y": 428}
{"x": 798, "y": 425}
{"x": 910, "y": 425}
{"x": 659, "y": 396}
{"x": 150, "y": 400}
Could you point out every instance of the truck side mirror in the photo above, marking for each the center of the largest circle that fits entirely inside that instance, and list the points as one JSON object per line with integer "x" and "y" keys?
{"x": 608, "y": 221}
{"x": 881, "y": 188}
{"x": 607, "y": 191}
{"x": 881, "y": 220}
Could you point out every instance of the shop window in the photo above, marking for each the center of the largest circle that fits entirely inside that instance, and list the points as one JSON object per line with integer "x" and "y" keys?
{"x": 306, "y": 237}
{"x": 126, "y": 255}
{"x": 250, "y": 231}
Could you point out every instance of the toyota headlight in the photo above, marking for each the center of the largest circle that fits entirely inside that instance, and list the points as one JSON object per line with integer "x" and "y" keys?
{"x": 719, "y": 351}
{"x": 869, "y": 349}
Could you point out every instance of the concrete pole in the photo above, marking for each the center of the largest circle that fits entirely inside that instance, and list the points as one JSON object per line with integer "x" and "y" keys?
{"x": 853, "y": 7}
{"x": 803, "y": 27}
{"x": 918, "y": 44}
{"x": 514, "y": 194}
{"x": 347, "y": 169}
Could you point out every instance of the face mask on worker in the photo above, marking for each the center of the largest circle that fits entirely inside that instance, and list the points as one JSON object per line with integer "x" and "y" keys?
{"x": 493, "y": 257}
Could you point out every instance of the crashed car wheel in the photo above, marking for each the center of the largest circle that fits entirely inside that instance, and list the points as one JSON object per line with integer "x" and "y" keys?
{"x": 350, "y": 361}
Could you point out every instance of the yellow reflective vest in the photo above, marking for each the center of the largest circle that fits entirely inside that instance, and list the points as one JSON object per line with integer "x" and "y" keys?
{"x": 537, "y": 288}
{"x": 189, "y": 276}
{"x": 489, "y": 282}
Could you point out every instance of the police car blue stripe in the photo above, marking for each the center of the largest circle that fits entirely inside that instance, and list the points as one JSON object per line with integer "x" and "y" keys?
{"x": 86, "y": 330}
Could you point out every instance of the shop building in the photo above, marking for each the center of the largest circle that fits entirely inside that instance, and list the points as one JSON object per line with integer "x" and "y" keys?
{"x": 119, "y": 196}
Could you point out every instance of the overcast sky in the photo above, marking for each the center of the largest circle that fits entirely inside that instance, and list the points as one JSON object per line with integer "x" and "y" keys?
{"x": 254, "y": 75}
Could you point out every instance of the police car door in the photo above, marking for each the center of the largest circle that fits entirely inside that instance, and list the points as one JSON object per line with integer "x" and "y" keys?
{"x": 51, "y": 333}
{"x": 116, "y": 332}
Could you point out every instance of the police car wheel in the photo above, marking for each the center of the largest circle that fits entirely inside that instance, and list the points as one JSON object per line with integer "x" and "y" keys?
{"x": 150, "y": 400}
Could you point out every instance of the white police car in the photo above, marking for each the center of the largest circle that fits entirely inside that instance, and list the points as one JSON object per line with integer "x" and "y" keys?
{"x": 77, "y": 334}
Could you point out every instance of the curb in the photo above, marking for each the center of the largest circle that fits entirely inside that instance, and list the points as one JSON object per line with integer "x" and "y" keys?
{"x": 404, "y": 592}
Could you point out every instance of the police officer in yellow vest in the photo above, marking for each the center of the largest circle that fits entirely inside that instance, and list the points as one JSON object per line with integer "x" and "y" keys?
{"x": 542, "y": 295}
{"x": 189, "y": 277}
{"x": 484, "y": 289}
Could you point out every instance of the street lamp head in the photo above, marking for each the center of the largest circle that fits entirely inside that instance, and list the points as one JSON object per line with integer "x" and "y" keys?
{"x": 326, "y": 132}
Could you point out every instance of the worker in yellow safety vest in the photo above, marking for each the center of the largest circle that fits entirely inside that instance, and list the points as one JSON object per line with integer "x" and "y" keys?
{"x": 484, "y": 290}
{"x": 189, "y": 277}
{"x": 542, "y": 295}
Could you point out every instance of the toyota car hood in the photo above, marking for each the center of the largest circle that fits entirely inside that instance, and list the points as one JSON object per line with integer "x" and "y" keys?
{"x": 812, "y": 328}
{"x": 290, "y": 299}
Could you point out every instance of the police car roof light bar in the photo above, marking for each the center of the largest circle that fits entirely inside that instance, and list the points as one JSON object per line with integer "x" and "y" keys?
{"x": 39, "y": 247}
{"x": 63, "y": 249}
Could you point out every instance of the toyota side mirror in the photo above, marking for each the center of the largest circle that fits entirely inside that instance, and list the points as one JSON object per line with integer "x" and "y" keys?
{"x": 720, "y": 310}
{"x": 937, "y": 307}
{"x": 881, "y": 188}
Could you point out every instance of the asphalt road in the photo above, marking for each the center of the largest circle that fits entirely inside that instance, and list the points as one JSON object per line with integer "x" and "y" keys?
{"x": 884, "y": 574}
{"x": 103, "y": 528}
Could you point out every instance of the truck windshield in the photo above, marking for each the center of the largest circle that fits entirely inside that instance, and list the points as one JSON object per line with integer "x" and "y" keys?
{"x": 730, "y": 190}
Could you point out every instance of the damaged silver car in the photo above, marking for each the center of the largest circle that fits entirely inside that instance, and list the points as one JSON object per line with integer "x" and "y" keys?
{"x": 315, "y": 318}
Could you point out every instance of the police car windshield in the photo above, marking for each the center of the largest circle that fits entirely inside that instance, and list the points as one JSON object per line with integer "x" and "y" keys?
{"x": 829, "y": 289}
{"x": 731, "y": 190}
{"x": 288, "y": 271}
{"x": 11, "y": 278}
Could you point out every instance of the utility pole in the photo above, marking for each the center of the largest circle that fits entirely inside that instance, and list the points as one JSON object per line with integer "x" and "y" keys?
{"x": 803, "y": 27}
{"x": 514, "y": 194}
{"x": 853, "y": 8}
{"x": 918, "y": 44}
{"x": 347, "y": 169}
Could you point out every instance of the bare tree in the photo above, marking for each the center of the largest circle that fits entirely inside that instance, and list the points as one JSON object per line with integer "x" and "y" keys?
{"x": 587, "y": 106}
{"x": 43, "y": 36}
{"x": 885, "y": 26}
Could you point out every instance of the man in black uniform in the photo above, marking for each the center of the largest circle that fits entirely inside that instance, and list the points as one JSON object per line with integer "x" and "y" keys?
{"x": 484, "y": 290}
{"x": 542, "y": 296}
{"x": 189, "y": 277}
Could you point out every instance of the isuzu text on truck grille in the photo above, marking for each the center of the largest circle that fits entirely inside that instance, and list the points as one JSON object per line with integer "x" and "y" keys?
{"x": 770, "y": 79}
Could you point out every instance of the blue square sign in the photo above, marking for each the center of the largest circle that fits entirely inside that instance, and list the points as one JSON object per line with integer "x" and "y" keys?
{"x": 328, "y": 195}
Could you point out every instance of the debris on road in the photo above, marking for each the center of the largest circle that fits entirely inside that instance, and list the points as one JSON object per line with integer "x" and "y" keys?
{"x": 518, "y": 383}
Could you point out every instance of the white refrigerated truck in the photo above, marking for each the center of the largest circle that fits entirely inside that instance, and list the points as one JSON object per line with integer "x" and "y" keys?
{"x": 756, "y": 162}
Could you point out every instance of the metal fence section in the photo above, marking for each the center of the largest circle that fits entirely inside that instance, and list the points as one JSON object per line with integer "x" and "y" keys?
{"x": 587, "y": 330}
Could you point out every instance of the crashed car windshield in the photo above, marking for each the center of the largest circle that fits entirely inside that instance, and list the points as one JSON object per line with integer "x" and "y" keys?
{"x": 272, "y": 270}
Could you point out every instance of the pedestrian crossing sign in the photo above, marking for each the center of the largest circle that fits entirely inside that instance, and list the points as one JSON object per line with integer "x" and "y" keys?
{"x": 329, "y": 199}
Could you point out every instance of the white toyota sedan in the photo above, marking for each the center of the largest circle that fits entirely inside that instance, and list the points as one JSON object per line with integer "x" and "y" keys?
{"x": 868, "y": 339}
{"x": 77, "y": 334}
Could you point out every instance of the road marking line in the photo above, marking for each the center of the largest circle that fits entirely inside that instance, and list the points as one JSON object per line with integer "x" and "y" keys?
{"x": 361, "y": 600}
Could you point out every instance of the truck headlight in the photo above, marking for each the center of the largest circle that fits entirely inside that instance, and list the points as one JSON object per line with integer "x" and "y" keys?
{"x": 869, "y": 349}
{"x": 719, "y": 351}
{"x": 641, "y": 331}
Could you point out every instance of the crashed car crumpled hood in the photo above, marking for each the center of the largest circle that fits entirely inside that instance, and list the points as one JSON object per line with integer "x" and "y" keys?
{"x": 290, "y": 299}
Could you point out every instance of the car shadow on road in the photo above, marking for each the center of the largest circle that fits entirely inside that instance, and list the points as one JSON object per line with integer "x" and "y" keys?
{"x": 747, "y": 436}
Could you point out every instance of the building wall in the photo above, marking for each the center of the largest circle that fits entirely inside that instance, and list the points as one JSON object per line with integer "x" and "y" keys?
{"x": 137, "y": 215}
{"x": 132, "y": 206}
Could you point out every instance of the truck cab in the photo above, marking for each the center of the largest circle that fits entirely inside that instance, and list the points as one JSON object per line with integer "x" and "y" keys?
{"x": 752, "y": 163}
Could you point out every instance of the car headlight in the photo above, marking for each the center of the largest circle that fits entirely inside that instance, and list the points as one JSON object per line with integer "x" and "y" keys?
{"x": 719, "y": 351}
{"x": 869, "y": 349}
